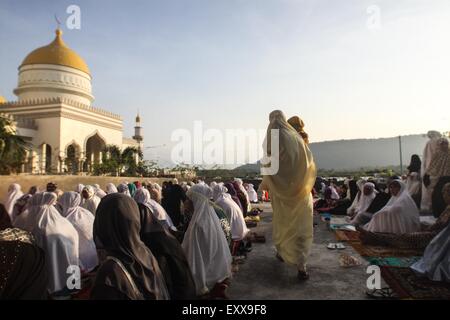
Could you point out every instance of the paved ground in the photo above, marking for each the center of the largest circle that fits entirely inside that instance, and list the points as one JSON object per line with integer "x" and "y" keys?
{"x": 262, "y": 276}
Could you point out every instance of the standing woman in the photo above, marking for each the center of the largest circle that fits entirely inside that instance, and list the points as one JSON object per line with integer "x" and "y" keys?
{"x": 413, "y": 182}
{"x": 130, "y": 271}
{"x": 439, "y": 166}
{"x": 428, "y": 153}
{"x": 290, "y": 189}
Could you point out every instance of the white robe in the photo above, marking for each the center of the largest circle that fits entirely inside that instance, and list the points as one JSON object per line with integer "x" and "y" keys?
{"x": 143, "y": 196}
{"x": 83, "y": 222}
{"x": 234, "y": 214}
{"x": 204, "y": 243}
{"x": 91, "y": 204}
{"x": 400, "y": 215}
{"x": 59, "y": 240}
{"x": 364, "y": 203}
{"x": 252, "y": 195}
{"x": 14, "y": 193}
{"x": 111, "y": 188}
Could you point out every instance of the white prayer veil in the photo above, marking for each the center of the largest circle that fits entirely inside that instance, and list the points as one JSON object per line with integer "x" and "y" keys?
{"x": 58, "y": 238}
{"x": 204, "y": 243}
{"x": 14, "y": 193}
{"x": 142, "y": 196}
{"x": 399, "y": 215}
{"x": 83, "y": 222}
{"x": 234, "y": 214}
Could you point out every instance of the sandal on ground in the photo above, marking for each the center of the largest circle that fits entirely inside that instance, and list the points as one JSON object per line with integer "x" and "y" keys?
{"x": 383, "y": 293}
{"x": 331, "y": 246}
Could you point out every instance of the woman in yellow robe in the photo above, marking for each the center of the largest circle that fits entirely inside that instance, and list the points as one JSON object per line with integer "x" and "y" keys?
{"x": 290, "y": 190}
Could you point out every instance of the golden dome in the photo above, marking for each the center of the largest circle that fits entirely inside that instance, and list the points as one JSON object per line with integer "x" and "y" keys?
{"x": 58, "y": 53}
{"x": 2, "y": 99}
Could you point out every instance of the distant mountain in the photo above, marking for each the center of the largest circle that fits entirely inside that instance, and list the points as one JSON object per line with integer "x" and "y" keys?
{"x": 361, "y": 153}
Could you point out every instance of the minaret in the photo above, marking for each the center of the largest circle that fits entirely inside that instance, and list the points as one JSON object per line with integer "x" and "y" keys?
{"x": 138, "y": 131}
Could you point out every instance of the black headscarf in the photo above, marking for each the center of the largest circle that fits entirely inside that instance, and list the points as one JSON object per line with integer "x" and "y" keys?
{"x": 232, "y": 191}
{"x": 23, "y": 275}
{"x": 117, "y": 231}
{"x": 5, "y": 220}
{"x": 353, "y": 189}
{"x": 170, "y": 255}
{"x": 415, "y": 164}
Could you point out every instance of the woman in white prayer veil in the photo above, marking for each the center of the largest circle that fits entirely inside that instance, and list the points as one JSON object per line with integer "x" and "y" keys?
{"x": 14, "y": 193}
{"x": 28, "y": 219}
{"x": 430, "y": 149}
{"x": 204, "y": 242}
{"x": 234, "y": 214}
{"x": 351, "y": 211}
{"x": 252, "y": 195}
{"x": 361, "y": 215}
{"x": 399, "y": 215}
{"x": 90, "y": 200}
{"x": 83, "y": 221}
{"x": 240, "y": 184}
{"x": 142, "y": 196}
{"x": 290, "y": 191}
{"x": 58, "y": 238}
{"x": 79, "y": 188}
{"x": 123, "y": 188}
{"x": 98, "y": 191}
{"x": 111, "y": 188}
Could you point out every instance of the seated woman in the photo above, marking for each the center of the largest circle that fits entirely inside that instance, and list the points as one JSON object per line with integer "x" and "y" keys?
{"x": 233, "y": 193}
{"x": 23, "y": 273}
{"x": 83, "y": 222}
{"x": 365, "y": 200}
{"x": 400, "y": 215}
{"x": 414, "y": 240}
{"x": 239, "y": 230}
{"x": 169, "y": 253}
{"x": 351, "y": 211}
{"x": 142, "y": 196}
{"x": 57, "y": 237}
{"x": 435, "y": 263}
{"x": 90, "y": 199}
{"x": 129, "y": 270}
{"x": 205, "y": 245}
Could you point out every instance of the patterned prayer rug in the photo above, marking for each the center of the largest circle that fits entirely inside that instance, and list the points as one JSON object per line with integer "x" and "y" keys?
{"x": 393, "y": 261}
{"x": 345, "y": 235}
{"x": 408, "y": 285}
{"x": 378, "y": 251}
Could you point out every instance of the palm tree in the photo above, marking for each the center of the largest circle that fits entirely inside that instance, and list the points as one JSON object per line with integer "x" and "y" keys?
{"x": 115, "y": 161}
{"x": 12, "y": 147}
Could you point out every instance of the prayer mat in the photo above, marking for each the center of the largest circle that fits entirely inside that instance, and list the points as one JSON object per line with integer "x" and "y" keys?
{"x": 403, "y": 262}
{"x": 409, "y": 285}
{"x": 345, "y": 235}
{"x": 379, "y": 251}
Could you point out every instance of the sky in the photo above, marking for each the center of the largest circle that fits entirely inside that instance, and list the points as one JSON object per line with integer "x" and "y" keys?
{"x": 348, "y": 68}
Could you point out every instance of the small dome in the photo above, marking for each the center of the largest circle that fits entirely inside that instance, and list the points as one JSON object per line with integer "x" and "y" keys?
{"x": 57, "y": 53}
{"x": 2, "y": 99}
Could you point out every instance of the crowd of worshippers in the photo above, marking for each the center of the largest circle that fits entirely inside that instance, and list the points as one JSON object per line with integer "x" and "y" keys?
{"x": 388, "y": 214}
{"x": 131, "y": 241}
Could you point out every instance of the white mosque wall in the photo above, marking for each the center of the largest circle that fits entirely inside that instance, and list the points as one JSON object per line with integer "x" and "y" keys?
{"x": 74, "y": 131}
{"x": 40, "y": 81}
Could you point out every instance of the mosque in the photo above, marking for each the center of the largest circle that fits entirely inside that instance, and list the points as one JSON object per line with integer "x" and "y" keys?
{"x": 54, "y": 113}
